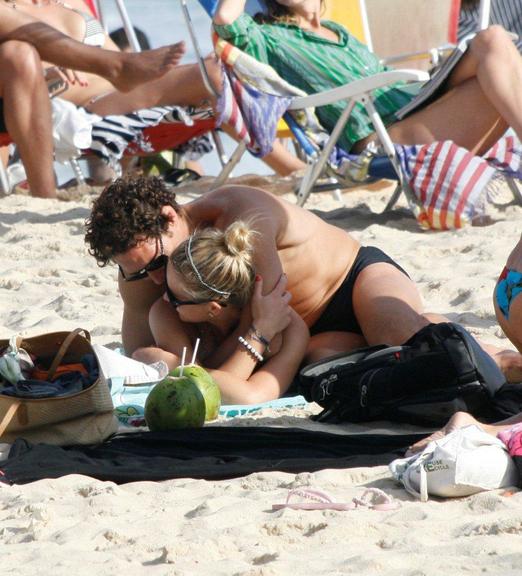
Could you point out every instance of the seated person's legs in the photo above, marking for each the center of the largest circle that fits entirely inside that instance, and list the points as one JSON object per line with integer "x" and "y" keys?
{"x": 27, "y": 113}
{"x": 483, "y": 98}
{"x": 181, "y": 86}
{"x": 124, "y": 70}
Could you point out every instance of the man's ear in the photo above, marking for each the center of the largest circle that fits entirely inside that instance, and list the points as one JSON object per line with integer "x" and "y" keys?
{"x": 169, "y": 213}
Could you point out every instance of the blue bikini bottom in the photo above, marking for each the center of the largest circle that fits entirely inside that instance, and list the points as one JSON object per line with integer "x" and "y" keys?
{"x": 509, "y": 285}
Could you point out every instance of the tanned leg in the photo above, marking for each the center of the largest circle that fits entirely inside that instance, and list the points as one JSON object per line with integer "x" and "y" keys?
{"x": 27, "y": 112}
{"x": 182, "y": 86}
{"x": 484, "y": 97}
{"x": 124, "y": 70}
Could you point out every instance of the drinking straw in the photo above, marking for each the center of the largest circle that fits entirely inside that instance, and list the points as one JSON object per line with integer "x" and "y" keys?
{"x": 194, "y": 354}
{"x": 183, "y": 360}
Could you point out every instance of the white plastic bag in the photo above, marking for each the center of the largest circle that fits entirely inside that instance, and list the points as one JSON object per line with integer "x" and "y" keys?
{"x": 464, "y": 462}
{"x": 72, "y": 129}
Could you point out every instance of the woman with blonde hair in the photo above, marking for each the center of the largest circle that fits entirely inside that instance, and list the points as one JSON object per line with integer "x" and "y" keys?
{"x": 213, "y": 293}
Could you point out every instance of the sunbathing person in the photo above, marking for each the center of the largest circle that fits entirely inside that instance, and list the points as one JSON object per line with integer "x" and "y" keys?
{"x": 25, "y": 110}
{"x": 507, "y": 300}
{"x": 481, "y": 98}
{"x": 349, "y": 295}
{"x": 95, "y": 90}
{"x": 211, "y": 289}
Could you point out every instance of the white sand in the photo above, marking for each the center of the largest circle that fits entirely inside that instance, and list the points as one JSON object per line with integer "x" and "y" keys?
{"x": 77, "y": 525}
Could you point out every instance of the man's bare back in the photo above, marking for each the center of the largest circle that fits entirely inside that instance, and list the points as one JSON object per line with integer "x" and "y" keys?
{"x": 315, "y": 256}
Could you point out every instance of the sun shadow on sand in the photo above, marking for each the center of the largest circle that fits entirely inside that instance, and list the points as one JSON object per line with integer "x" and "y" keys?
{"x": 36, "y": 218}
{"x": 360, "y": 217}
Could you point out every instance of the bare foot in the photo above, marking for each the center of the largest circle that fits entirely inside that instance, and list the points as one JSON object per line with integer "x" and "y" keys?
{"x": 458, "y": 420}
{"x": 510, "y": 362}
{"x": 140, "y": 67}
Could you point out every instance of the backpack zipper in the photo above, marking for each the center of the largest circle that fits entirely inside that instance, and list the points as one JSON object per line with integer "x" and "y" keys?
{"x": 325, "y": 386}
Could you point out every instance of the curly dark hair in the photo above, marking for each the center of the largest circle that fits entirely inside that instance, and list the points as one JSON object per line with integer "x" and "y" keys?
{"x": 126, "y": 212}
{"x": 276, "y": 12}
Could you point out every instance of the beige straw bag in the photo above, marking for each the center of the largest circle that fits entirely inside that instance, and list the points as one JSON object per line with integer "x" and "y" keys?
{"x": 86, "y": 417}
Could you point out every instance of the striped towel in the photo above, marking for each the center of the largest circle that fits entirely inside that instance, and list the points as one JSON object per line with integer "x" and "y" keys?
{"x": 253, "y": 98}
{"x": 113, "y": 134}
{"x": 451, "y": 184}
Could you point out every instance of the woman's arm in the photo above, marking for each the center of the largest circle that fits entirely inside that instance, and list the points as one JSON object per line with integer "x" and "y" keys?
{"x": 268, "y": 315}
{"x": 228, "y": 11}
{"x": 170, "y": 336}
{"x": 274, "y": 377}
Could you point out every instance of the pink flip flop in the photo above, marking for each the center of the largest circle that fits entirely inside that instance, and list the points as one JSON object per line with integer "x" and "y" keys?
{"x": 372, "y": 498}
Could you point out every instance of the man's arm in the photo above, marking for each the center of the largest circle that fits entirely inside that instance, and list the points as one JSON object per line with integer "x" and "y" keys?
{"x": 138, "y": 297}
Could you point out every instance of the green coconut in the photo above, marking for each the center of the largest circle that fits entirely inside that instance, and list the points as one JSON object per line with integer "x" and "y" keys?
{"x": 207, "y": 386}
{"x": 175, "y": 403}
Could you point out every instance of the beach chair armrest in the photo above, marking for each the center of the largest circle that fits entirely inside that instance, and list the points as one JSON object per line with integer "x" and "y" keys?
{"x": 358, "y": 88}
{"x": 434, "y": 56}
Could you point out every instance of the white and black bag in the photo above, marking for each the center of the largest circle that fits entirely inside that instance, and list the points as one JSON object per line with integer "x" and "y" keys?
{"x": 462, "y": 463}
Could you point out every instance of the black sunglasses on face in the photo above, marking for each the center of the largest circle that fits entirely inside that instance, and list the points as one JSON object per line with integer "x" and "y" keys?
{"x": 175, "y": 302}
{"x": 155, "y": 264}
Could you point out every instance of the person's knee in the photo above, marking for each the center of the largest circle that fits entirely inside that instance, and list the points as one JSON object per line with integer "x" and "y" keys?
{"x": 494, "y": 39}
{"x": 19, "y": 59}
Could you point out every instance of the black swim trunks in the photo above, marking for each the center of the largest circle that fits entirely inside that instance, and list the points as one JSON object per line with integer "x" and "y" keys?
{"x": 3, "y": 127}
{"x": 339, "y": 315}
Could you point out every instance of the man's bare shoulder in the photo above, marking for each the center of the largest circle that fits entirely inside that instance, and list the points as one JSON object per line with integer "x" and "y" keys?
{"x": 228, "y": 203}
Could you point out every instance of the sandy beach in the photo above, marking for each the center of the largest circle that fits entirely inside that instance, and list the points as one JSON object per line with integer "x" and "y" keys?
{"x": 78, "y": 525}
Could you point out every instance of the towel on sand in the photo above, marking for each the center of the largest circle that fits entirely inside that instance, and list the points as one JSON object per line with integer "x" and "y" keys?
{"x": 211, "y": 453}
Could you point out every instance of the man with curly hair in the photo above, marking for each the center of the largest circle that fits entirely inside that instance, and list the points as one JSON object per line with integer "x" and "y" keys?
{"x": 349, "y": 295}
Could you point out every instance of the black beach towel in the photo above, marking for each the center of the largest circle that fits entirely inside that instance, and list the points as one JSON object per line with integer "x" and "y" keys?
{"x": 211, "y": 453}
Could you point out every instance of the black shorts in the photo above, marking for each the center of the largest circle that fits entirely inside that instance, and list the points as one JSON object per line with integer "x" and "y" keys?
{"x": 3, "y": 127}
{"x": 339, "y": 315}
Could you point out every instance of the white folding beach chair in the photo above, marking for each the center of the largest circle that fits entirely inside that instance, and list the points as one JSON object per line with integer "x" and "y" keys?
{"x": 359, "y": 91}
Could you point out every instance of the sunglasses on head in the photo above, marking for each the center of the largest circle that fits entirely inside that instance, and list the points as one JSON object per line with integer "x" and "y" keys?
{"x": 155, "y": 264}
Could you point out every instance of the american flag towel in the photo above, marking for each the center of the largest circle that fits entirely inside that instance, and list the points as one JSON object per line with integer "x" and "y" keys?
{"x": 451, "y": 184}
{"x": 253, "y": 98}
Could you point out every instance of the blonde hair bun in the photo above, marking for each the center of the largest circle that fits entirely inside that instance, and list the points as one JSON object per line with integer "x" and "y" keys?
{"x": 239, "y": 239}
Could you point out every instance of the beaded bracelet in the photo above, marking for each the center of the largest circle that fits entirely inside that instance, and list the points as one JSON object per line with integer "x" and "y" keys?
{"x": 253, "y": 352}
{"x": 256, "y": 335}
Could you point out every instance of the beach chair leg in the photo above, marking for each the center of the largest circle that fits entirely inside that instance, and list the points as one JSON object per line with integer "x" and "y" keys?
{"x": 337, "y": 194}
{"x": 515, "y": 190}
{"x": 76, "y": 168}
{"x": 218, "y": 143}
{"x": 314, "y": 171}
{"x": 5, "y": 188}
{"x": 394, "y": 198}
{"x": 230, "y": 165}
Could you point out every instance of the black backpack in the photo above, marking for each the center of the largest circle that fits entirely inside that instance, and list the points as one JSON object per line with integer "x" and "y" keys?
{"x": 440, "y": 370}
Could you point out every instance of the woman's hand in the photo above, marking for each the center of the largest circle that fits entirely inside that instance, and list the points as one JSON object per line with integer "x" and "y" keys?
{"x": 63, "y": 77}
{"x": 271, "y": 312}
